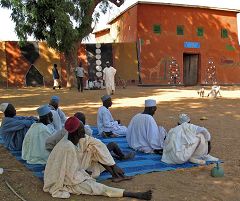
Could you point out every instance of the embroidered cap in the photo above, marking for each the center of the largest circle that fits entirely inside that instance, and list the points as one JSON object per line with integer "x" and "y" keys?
{"x": 55, "y": 99}
{"x": 150, "y": 103}
{"x": 43, "y": 110}
{"x": 182, "y": 118}
{"x": 3, "y": 107}
{"x": 105, "y": 97}
{"x": 72, "y": 124}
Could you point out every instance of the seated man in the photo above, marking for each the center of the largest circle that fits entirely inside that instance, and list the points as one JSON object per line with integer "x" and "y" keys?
{"x": 93, "y": 154}
{"x": 14, "y": 128}
{"x": 143, "y": 133}
{"x": 107, "y": 126}
{"x": 56, "y": 124}
{"x": 54, "y": 139}
{"x": 187, "y": 142}
{"x": 54, "y": 102}
{"x": 33, "y": 149}
{"x": 63, "y": 175}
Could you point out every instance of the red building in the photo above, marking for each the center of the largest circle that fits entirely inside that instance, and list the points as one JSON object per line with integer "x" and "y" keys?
{"x": 179, "y": 44}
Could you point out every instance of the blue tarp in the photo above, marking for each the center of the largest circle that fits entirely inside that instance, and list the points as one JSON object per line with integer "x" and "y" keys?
{"x": 141, "y": 164}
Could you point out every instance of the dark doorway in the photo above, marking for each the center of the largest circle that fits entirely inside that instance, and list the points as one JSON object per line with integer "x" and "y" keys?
{"x": 34, "y": 78}
{"x": 97, "y": 55}
{"x": 190, "y": 69}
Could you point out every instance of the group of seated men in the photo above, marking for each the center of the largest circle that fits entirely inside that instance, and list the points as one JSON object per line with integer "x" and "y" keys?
{"x": 71, "y": 153}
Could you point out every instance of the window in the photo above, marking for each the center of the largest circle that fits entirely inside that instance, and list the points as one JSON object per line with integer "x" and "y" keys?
{"x": 180, "y": 30}
{"x": 224, "y": 33}
{"x": 200, "y": 31}
{"x": 156, "y": 29}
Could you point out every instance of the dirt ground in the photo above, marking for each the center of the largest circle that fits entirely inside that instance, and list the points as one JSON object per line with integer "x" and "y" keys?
{"x": 193, "y": 184}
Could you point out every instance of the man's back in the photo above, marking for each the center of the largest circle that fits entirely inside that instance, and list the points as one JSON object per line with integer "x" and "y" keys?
{"x": 13, "y": 130}
{"x": 144, "y": 135}
{"x": 79, "y": 71}
{"x": 33, "y": 149}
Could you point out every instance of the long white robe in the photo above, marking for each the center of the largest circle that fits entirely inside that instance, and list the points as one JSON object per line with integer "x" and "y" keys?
{"x": 91, "y": 153}
{"x": 108, "y": 76}
{"x": 185, "y": 141}
{"x": 57, "y": 123}
{"x": 143, "y": 133}
{"x": 63, "y": 175}
{"x": 62, "y": 116}
{"x": 106, "y": 123}
{"x": 33, "y": 148}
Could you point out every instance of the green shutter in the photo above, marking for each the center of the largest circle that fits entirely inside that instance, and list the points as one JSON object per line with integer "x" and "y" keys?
{"x": 180, "y": 30}
{"x": 224, "y": 33}
{"x": 156, "y": 29}
{"x": 230, "y": 47}
{"x": 200, "y": 31}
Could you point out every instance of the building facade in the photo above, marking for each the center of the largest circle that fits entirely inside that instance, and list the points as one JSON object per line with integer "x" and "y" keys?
{"x": 179, "y": 44}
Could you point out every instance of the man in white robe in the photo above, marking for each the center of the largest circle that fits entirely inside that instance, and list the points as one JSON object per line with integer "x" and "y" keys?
{"x": 109, "y": 77}
{"x": 107, "y": 126}
{"x": 59, "y": 117}
{"x": 33, "y": 148}
{"x": 187, "y": 142}
{"x": 143, "y": 133}
{"x": 64, "y": 176}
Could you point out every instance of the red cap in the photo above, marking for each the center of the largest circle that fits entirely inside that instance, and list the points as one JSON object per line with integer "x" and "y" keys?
{"x": 72, "y": 124}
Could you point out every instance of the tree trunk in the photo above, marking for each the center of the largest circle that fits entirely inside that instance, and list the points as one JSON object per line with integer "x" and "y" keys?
{"x": 71, "y": 58}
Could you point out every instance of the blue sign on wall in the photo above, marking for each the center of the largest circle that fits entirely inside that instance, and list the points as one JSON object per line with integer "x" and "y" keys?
{"x": 191, "y": 44}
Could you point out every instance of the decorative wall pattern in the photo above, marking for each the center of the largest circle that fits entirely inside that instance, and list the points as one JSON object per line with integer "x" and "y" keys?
{"x": 173, "y": 72}
{"x": 210, "y": 75}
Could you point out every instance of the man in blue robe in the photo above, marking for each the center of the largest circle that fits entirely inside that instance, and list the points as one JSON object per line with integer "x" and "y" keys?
{"x": 14, "y": 128}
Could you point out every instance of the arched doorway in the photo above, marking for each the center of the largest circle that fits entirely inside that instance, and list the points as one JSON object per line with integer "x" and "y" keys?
{"x": 34, "y": 78}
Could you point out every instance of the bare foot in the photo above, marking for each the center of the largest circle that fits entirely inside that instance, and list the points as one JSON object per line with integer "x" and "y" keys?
{"x": 140, "y": 195}
{"x": 130, "y": 155}
{"x": 145, "y": 195}
{"x": 197, "y": 161}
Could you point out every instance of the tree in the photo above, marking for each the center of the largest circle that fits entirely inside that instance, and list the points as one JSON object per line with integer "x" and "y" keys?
{"x": 61, "y": 23}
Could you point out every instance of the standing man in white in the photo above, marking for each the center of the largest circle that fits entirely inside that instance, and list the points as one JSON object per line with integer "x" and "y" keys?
{"x": 108, "y": 75}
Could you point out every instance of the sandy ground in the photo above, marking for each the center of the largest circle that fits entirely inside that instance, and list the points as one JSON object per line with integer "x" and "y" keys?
{"x": 182, "y": 185}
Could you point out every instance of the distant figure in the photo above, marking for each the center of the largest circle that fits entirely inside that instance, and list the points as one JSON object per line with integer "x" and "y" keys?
{"x": 33, "y": 149}
{"x": 56, "y": 77}
{"x": 107, "y": 126}
{"x": 187, "y": 142}
{"x": 79, "y": 75}
{"x": 14, "y": 128}
{"x": 143, "y": 133}
{"x": 64, "y": 176}
{"x": 108, "y": 75}
{"x": 215, "y": 91}
{"x": 201, "y": 92}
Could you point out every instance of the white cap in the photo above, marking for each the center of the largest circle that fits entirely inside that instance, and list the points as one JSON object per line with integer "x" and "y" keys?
{"x": 182, "y": 118}
{"x": 3, "y": 106}
{"x": 150, "y": 103}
